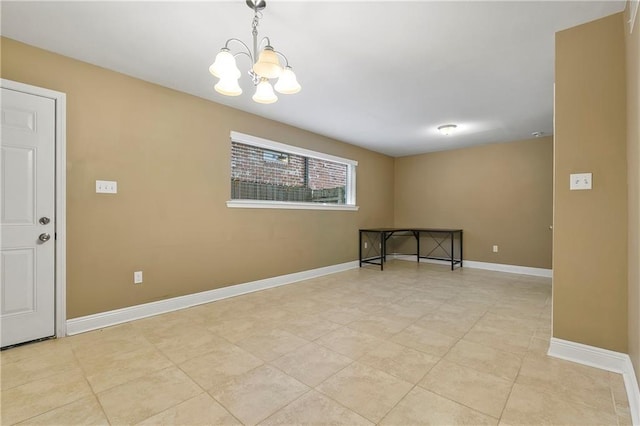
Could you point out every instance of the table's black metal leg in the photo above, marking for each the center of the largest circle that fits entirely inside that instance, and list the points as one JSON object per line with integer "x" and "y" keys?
{"x": 383, "y": 251}
{"x": 461, "y": 249}
{"x": 417, "y": 235}
{"x": 360, "y": 248}
{"x": 453, "y": 257}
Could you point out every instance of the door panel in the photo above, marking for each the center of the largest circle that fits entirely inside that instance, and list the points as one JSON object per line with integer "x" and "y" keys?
{"x": 18, "y": 281}
{"x": 27, "y": 183}
{"x": 18, "y": 185}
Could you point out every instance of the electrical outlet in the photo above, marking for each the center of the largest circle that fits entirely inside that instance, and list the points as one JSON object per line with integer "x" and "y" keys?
{"x": 106, "y": 187}
{"x": 137, "y": 277}
{"x": 495, "y": 249}
{"x": 580, "y": 181}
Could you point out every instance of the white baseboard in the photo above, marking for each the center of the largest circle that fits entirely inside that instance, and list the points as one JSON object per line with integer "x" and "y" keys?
{"x": 513, "y": 269}
{"x": 119, "y": 316}
{"x": 604, "y": 359}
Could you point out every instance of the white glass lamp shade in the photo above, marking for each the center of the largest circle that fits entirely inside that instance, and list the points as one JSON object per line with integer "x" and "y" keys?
{"x": 264, "y": 93}
{"x": 268, "y": 65}
{"x": 228, "y": 86}
{"x": 287, "y": 83}
{"x": 225, "y": 65}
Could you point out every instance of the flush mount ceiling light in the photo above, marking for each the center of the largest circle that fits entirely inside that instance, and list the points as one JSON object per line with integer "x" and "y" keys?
{"x": 265, "y": 65}
{"x": 447, "y": 129}
{"x": 537, "y": 134}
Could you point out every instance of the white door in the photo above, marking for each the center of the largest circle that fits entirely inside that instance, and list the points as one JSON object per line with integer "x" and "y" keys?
{"x": 27, "y": 208}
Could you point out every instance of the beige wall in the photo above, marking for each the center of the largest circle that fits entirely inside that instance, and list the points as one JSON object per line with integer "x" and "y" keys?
{"x": 590, "y": 238}
{"x": 498, "y": 194}
{"x": 633, "y": 163}
{"x": 170, "y": 153}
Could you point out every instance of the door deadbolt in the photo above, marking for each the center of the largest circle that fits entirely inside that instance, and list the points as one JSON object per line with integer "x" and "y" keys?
{"x": 44, "y": 220}
{"x": 44, "y": 237}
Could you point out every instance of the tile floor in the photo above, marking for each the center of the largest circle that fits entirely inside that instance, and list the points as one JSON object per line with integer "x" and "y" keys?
{"x": 415, "y": 344}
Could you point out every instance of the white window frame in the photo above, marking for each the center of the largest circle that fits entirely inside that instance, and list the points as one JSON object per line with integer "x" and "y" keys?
{"x": 350, "y": 201}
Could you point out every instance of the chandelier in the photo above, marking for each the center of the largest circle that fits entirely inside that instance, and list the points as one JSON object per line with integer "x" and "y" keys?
{"x": 265, "y": 65}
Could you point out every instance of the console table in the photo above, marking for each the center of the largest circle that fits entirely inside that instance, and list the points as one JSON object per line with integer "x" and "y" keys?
{"x": 447, "y": 240}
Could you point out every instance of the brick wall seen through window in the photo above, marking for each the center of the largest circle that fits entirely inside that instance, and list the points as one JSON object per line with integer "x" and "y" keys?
{"x": 260, "y": 174}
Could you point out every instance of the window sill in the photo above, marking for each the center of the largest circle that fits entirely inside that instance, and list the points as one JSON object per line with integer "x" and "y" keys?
{"x": 257, "y": 204}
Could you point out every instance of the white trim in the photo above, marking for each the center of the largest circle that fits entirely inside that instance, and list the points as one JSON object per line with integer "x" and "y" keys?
{"x": 60, "y": 100}
{"x": 262, "y": 204}
{"x": 604, "y": 359}
{"x": 513, "y": 269}
{"x": 118, "y": 316}
{"x": 277, "y": 146}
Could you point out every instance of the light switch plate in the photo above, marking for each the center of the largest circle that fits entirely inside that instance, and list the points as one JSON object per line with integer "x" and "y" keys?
{"x": 580, "y": 181}
{"x": 106, "y": 187}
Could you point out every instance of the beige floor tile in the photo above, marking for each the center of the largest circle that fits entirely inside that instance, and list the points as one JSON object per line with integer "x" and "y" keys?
{"x": 527, "y": 406}
{"x": 519, "y": 311}
{"x": 450, "y": 326}
{"x": 538, "y": 347}
{"x": 400, "y": 361}
{"x": 430, "y": 342}
{"x": 309, "y": 327}
{"x": 56, "y": 347}
{"x": 503, "y": 321}
{"x": 350, "y": 343}
{"x": 313, "y": 408}
{"x": 236, "y": 329}
{"x": 39, "y": 396}
{"x": 344, "y": 314}
{"x": 421, "y": 407}
{"x": 255, "y": 395}
{"x": 184, "y": 341}
{"x": 119, "y": 338}
{"x": 146, "y": 396}
{"x": 411, "y": 309}
{"x": 158, "y": 326}
{"x": 220, "y": 365}
{"x": 618, "y": 390}
{"x": 306, "y": 305}
{"x": 365, "y": 390}
{"x": 37, "y": 367}
{"x": 85, "y": 411}
{"x": 574, "y": 382}
{"x": 114, "y": 368}
{"x": 468, "y": 387}
{"x": 200, "y": 410}
{"x": 485, "y": 359}
{"x": 509, "y": 324}
{"x": 380, "y": 325}
{"x": 312, "y": 363}
{"x": 499, "y": 339}
{"x": 271, "y": 344}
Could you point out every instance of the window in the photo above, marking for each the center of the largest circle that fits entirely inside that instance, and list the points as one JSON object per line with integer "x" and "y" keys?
{"x": 267, "y": 174}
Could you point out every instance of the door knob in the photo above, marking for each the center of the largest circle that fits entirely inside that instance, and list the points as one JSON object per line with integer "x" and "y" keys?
{"x": 44, "y": 237}
{"x": 44, "y": 220}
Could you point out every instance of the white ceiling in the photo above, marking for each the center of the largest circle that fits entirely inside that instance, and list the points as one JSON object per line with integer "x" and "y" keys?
{"x": 379, "y": 74}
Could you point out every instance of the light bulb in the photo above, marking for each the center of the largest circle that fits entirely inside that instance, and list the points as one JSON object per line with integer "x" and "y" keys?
{"x": 268, "y": 65}
{"x": 264, "y": 93}
{"x": 228, "y": 86}
{"x": 224, "y": 65}
{"x": 287, "y": 84}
